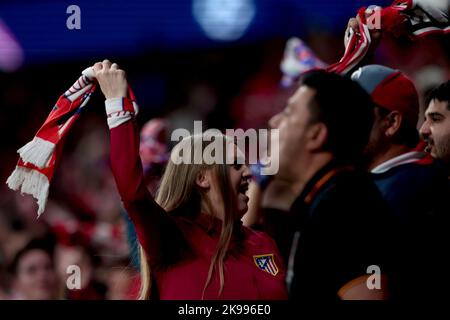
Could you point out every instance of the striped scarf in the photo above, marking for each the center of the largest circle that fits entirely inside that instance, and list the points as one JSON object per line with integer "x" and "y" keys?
{"x": 39, "y": 158}
{"x": 412, "y": 18}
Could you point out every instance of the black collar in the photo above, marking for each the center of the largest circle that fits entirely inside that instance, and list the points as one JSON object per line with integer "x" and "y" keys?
{"x": 315, "y": 183}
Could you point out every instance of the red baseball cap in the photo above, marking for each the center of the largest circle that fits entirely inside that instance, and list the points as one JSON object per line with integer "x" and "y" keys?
{"x": 390, "y": 89}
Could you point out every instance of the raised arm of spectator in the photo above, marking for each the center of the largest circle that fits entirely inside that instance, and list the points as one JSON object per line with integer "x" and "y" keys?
{"x": 154, "y": 227}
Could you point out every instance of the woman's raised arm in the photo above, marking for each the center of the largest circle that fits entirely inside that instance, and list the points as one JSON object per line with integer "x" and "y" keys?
{"x": 154, "y": 227}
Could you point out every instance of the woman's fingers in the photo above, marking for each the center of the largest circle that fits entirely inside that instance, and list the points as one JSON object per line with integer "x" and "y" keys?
{"x": 112, "y": 80}
{"x": 106, "y": 64}
{"x": 98, "y": 66}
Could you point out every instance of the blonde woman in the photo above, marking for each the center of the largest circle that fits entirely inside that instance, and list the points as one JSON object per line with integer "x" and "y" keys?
{"x": 194, "y": 245}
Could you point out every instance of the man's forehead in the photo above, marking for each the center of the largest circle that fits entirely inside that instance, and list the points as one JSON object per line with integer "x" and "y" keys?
{"x": 302, "y": 93}
{"x": 436, "y": 106}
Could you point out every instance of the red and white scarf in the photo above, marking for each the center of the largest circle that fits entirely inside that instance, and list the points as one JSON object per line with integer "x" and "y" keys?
{"x": 39, "y": 157}
{"x": 412, "y": 18}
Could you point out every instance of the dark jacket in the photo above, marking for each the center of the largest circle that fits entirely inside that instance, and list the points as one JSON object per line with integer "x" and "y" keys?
{"x": 344, "y": 227}
{"x": 419, "y": 198}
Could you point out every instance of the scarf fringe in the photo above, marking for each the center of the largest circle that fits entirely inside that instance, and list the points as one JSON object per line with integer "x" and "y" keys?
{"x": 30, "y": 182}
{"x": 38, "y": 151}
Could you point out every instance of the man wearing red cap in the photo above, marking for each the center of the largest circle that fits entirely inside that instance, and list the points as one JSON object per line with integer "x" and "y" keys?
{"x": 396, "y": 114}
{"x": 407, "y": 177}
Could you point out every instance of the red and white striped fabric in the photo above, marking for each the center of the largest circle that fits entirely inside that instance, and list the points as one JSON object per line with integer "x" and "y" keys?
{"x": 413, "y": 18}
{"x": 356, "y": 47}
{"x": 39, "y": 157}
{"x": 419, "y": 17}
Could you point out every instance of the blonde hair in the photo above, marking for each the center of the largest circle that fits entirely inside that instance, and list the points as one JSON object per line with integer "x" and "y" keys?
{"x": 178, "y": 192}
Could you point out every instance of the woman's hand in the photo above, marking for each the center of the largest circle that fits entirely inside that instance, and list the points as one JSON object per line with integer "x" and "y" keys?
{"x": 112, "y": 80}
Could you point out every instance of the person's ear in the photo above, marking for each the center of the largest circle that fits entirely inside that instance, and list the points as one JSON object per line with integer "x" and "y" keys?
{"x": 317, "y": 136}
{"x": 203, "y": 179}
{"x": 393, "y": 123}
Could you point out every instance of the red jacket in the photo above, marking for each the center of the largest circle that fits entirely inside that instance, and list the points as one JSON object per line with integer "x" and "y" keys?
{"x": 179, "y": 249}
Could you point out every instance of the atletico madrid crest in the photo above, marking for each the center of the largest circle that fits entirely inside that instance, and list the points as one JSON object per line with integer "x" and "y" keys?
{"x": 266, "y": 262}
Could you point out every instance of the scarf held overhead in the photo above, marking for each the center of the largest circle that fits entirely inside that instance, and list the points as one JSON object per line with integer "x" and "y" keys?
{"x": 412, "y": 18}
{"x": 39, "y": 157}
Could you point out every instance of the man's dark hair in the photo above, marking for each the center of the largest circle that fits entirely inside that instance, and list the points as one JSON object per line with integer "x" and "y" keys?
{"x": 347, "y": 111}
{"x": 440, "y": 93}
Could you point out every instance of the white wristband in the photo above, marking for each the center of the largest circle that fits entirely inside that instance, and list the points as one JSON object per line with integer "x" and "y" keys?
{"x": 115, "y": 112}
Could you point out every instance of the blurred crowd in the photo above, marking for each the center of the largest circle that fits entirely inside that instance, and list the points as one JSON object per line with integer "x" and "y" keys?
{"x": 84, "y": 223}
